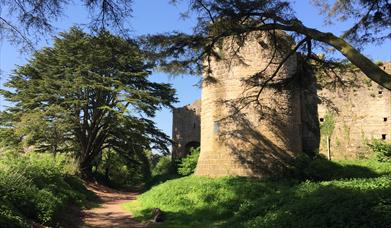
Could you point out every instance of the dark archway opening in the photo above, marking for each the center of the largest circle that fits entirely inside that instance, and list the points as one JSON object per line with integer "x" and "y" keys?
{"x": 192, "y": 144}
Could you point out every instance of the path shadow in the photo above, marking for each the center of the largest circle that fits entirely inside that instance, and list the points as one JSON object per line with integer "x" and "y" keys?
{"x": 72, "y": 216}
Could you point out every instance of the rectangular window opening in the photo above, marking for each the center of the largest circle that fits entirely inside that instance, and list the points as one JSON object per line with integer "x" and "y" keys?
{"x": 383, "y": 136}
{"x": 385, "y": 119}
{"x": 216, "y": 127}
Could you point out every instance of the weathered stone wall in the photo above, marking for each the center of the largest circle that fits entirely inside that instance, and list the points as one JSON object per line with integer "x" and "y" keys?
{"x": 361, "y": 112}
{"x": 186, "y": 129}
{"x": 249, "y": 140}
{"x": 260, "y": 140}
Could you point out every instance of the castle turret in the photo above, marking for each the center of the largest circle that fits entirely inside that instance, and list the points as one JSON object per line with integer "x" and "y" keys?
{"x": 248, "y": 129}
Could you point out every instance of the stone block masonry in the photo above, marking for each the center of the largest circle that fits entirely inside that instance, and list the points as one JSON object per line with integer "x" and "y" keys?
{"x": 243, "y": 134}
{"x": 239, "y": 138}
{"x": 361, "y": 112}
{"x": 186, "y": 129}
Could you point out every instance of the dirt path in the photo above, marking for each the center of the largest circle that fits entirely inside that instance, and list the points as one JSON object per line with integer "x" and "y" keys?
{"x": 109, "y": 213}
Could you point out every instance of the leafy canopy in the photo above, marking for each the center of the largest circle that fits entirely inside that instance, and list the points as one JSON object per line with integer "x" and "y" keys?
{"x": 218, "y": 19}
{"x": 24, "y": 22}
{"x": 87, "y": 94}
{"x": 371, "y": 18}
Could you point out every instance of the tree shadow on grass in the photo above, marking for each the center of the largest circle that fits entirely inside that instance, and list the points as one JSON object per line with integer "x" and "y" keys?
{"x": 252, "y": 203}
{"x": 320, "y": 169}
{"x": 356, "y": 203}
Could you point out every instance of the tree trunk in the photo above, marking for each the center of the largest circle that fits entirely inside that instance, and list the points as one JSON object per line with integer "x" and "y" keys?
{"x": 86, "y": 161}
{"x": 86, "y": 168}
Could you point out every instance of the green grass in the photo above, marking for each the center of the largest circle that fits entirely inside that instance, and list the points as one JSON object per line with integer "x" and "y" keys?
{"x": 356, "y": 194}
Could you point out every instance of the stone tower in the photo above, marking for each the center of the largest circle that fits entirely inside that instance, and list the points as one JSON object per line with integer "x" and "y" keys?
{"x": 240, "y": 136}
{"x": 186, "y": 129}
{"x": 243, "y": 134}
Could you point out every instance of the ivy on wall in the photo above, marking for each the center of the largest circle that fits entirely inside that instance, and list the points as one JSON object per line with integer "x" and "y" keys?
{"x": 328, "y": 125}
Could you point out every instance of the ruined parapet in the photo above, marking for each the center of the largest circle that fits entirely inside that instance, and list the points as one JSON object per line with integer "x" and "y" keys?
{"x": 359, "y": 113}
{"x": 243, "y": 134}
{"x": 186, "y": 129}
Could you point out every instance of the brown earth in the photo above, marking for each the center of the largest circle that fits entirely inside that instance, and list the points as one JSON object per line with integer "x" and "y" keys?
{"x": 108, "y": 213}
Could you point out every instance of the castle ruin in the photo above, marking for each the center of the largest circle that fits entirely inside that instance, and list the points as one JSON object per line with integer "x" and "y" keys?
{"x": 359, "y": 113}
{"x": 186, "y": 129}
{"x": 246, "y": 133}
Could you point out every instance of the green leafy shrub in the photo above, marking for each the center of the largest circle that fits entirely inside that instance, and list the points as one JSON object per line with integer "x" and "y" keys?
{"x": 47, "y": 205}
{"x": 37, "y": 187}
{"x": 163, "y": 170}
{"x": 163, "y": 167}
{"x": 188, "y": 164}
{"x": 16, "y": 192}
{"x": 115, "y": 170}
{"x": 381, "y": 149}
{"x": 10, "y": 218}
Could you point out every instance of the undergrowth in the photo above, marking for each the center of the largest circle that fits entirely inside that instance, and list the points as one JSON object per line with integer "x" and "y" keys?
{"x": 37, "y": 188}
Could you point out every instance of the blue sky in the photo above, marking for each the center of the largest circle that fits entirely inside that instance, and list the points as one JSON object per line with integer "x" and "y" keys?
{"x": 157, "y": 16}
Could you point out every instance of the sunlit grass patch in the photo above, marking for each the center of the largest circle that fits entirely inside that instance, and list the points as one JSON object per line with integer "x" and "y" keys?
{"x": 357, "y": 194}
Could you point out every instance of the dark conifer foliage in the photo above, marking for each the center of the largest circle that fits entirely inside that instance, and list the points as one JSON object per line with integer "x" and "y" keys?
{"x": 372, "y": 18}
{"x": 87, "y": 94}
{"x": 24, "y": 22}
{"x": 20, "y": 21}
{"x": 219, "y": 19}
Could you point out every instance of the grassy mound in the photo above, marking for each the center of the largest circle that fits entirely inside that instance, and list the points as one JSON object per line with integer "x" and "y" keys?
{"x": 357, "y": 194}
{"x": 37, "y": 187}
